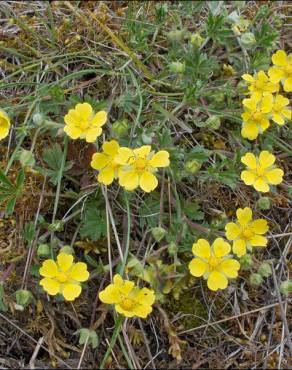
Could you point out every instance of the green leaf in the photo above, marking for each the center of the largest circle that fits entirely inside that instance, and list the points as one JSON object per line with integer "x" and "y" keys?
{"x": 94, "y": 223}
{"x": 5, "y": 179}
{"x": 29, "y": 231}
{"x": 3, "y": 306}
{"x": 10, "y": 206}
{"x": 20, "y": 179}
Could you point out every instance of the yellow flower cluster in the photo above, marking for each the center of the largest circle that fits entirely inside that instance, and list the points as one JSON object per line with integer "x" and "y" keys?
{"x": 265, "y": 103}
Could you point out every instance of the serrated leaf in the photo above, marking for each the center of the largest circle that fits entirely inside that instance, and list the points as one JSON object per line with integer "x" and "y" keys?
{"x": 10, "y": 206}
{"x": 5, "y": 179}
{"x": 94, "y": 224}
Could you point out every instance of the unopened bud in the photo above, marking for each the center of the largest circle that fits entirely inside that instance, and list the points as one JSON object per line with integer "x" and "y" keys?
{"x": 264, "y": 203}
{"x": 44, "y": 250}
{"x": 213, "y": 122}
{"x": 67, "y": 249}
{"x": 246, "y": 262}
{"x": 248, "y": 39}
{"x": 196, "y": 39}
{"x": 192, "y": 166}
{"x": 23, "y": 297}
{"x": 120, "y": 128}
{"x": 265, "y": 269}
{"x": 286, "y": 287}
{"x": 177, "y": 67}
{"x": 38, "y": 119}
{"x": 158, "y": 233}
{"x": 255, "y": 279}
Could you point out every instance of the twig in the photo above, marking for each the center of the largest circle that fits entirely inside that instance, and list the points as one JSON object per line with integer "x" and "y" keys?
{"x": 35, "y": 352}
{"x": 83, "y": 352}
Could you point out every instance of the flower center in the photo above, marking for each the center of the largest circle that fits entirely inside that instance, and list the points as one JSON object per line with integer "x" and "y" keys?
{"x": 127, "y": 304}
{"x": 260, "y": 171}
{"x": 84, "y": 124}
{"x": 62, "y": 277}
{"x": 141, "y": 164}
{"x": 247, "y": 234}
{"x": 213, "y": 262}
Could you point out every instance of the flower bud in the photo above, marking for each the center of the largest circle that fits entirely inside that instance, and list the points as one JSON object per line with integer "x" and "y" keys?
{"x": 265, "y": 269}
{"x": 286, "y": 287}
{"x": 26, "y": 158}
{"x": 120, "y": 128}
{"x": 158, "y": 233}
{"x": 23, "y": 298}
{"x": 38, "y": 119}
{"x": 255, "y": 279}
{"x": 176, "y": 35}
{"x": 177, "y": 67}
{"x": 213, "y": 122}
{"x": 248, "y": 39}
{"x": 246, "y": 262}
{"x": 44, "y": 250}
{"x": 192, "y": 166}
{"x": 264, "y": 203}
{"x": 67, "y": 249}
{"x": 172, "y": 249}
{"x": 196, "y": 39}
{"x": 228, "y": 70}
{"x": 58, "y": 225}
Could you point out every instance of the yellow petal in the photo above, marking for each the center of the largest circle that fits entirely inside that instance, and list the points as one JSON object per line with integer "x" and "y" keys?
{"x": 124, "y": 155}
{"x": 251, "y": 104}
{"x": 4, "y": 131}
{"x": 79, "y": 272}
{"x": 266, "y": 159}
{"x": 261, "y": 76}
{"x": 124, "y": 312}
{"x": 232, "y": 230}
{"x": 280, "y": 58}
{"x": 143, "y": 151}
{"x": 264, "y": 124}
{"x": 267, "y": 103}
{"x": 110, "y": 295}
{"x": 230, "y": 268}
{"x": 275, "y": 176}
{"x": 84, "y": 110}
{"x": 249, "y": 160}
{"x": 4, "y": 118}
{"x": 99, "y": 161}
{"x": 92, "y": 134}
{"x": 118, "y": 280}
{"x": 146, "y": 296}
{"x": 49, "y": 269}
{"x": 248, "y": 177}
{"x": 51, "y": 286}
{"x": 288, "y": 84}
{"x": 261, "y": 185}
{"x": 221, "y": 247}
{"x": 106, "y": 176}
{"x": 148, "y": 181}
{"x": 258, "y": 241}
{"x": 249, "y": 130}
{"x": 260, "y": 226}
{"x": 129, "y": 180}
{"x": 247, "y": 77}
{"x": 278, "y": 119}
{"x": 276, "y": 74}
{"x": 160, "y": 159}
{"x": 72, "y": 131}
{"x": 244, "y": 215}
{"x": 216, "y": 281}
{"x": 239, "y": 247}
{"x": 71, "y": 291}
{"x": 202, "y": 249}
{"x": 72, "y": 118}
{"x": 111, "y": 147}
{"x": 142, "y": 310}
{"x": 65, "y": 261}
{"x": 281, "y": 100}
{"x": 286, "y": 113}
{"x": 197, "y": 267}
{"x": 99, "y": 119}
{"x": 127, "y": 287}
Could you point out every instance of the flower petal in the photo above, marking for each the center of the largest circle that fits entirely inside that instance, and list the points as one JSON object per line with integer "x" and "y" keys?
{"x": 65, "y": 261}
{"x": 275, "y": 176}
{"x": 92, "y": 134}
{"x": 267, "y": 103}
{"x": 261, "y": 185}
{"x": 106, "y": 176}
{"x": 72, "y": 131}
{"x": 202, "y": 249}
{"x": 79, "y": 272}
{"x": 129, "y": 179}
{"x": 49, "y": 269}
{"x": 232, "y": 230}
{"x": 84, "y": 110}
{"x": 249, "y": 160}
{"x": 146, "y": 296}
{"x": 110, "y": 295}
{"x": 248, "y": 177}
{"x": 247, "y": 77}
{"x": 266, "y": 159}
{"x": 288, "y": 84}
{"x": 143, "y": 151}
{"x": 111, "y": 147}
{"x": 239, "y": 247}
{"x": 142, "y": 310}
{"x": 160, "y": 159}
{"x": 197, "y": 267}
{"x": 250, "y": 130}
{"x": 51, "y": 286}
{"x": 71, "y": 291}
{"x": 216, "y": 281}
{"x": 99, "y": 119}
{"x": 275, "y": 74}
{"x": 278, "y": 118}
{"x": 221, "y": 247}
{"x": 124, "y": 155}
{"x": 279, "y": 58}
{"x": 124, "y": 312}
{"x": 99, "y": 161}
{"x": 230, "y": 268}
{"x": 244, "y": 215}
{"x": 260, "y": 226}
{"x": 258, "y": 241}
{"x": 148, "y": 181}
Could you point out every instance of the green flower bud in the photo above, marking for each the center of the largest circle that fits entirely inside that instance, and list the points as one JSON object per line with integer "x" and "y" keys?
{"x": 67, "y": 249}
{"x": 196, "y": 40}
{"x": 246, "y": 262}
{"x": 255, "y": 279}
{"x": 213, "y": 122}
{"x": 44, "y": 250}
{"x": 192, "y": 166}
{"x": 248, "y": 39}
{"x": 38, "y": 119}
{"x": 58, "y": 225}
{"x": 177, "y": 67}
{"x": 158, "y": 233}
{"x": 172, "y": 249}
{"x": 176, "y": 35}
{"x": 286, "y": 287}
{"x": 26, "y": 158}
{"x": 265, "y": 269}
{"x": 147, "y": 138}
{"x": 264, "y": 203}
{"x": 23, "y": 298}
{"x": 218, "y": 97}
{"x": 120, "y": 128}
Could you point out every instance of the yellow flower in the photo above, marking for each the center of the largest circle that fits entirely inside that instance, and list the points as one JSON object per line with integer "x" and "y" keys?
{"x": 279, "y": 110}
{"x": 105, "y": 162}
{"x": 246, "y": 233}
{"x": 261, "y": 171}
{"x": 63, "y": 277}
{"x": 213, "y": 263}
{"x": 255, "y": 118}
{"x": 282, "y": 70}
{"x": 129, "y": 300}
{"x": 138, "y": 167}
{"x": 82, "y": 122}
{"x": 4, "y": 124}
{"x": 260, "y": 85}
